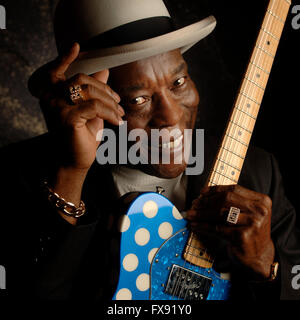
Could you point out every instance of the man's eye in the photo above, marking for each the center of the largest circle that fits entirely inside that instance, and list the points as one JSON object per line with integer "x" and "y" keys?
{"x": 179, "y": 82}
{"x": 138, "y": 100}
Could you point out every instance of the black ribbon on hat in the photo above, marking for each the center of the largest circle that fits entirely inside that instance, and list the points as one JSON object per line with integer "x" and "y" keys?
{"x": 129, "y": 33}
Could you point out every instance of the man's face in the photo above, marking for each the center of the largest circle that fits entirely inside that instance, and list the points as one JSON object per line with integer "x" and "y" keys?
{"x": 157, "y": 93}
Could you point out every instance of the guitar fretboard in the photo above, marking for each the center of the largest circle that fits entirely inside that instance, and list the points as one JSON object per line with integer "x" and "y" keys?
{"x": 232, "y": 152}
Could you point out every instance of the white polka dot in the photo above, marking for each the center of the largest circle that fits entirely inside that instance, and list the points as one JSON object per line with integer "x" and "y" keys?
{"x": 150, "y": 209}
{"x": 165, "y": 230}
{"x": 142, "y": 237}
{"x": 124, "y": 294}
{"x": 176, "y": 214}
{"x": 130, "y": 262}
{"x": 143, "y": 282}
{"x": 151, "y": 254}
{"x": 124, "y": 223}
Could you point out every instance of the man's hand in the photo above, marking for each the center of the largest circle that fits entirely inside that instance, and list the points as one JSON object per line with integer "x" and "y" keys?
{"x": 250, "y": 239}
{"x": 77, "y": 124}
{"x": 74, "y": 124}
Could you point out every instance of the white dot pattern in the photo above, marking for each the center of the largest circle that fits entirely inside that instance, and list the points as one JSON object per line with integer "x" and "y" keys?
{"x": 142, "y": 237}
{"x": 130, "y": 262}
{"x": 150, "y": 209}
{"x": 124, "y": 294}
{"x": 124, "y": 223}
{"x": 142, "y": 282}
{"x": 151, "y": 219}
{"x": 176, "y": 214}
{"x": 151, "y": 254}
{"x": 165, "y": 230}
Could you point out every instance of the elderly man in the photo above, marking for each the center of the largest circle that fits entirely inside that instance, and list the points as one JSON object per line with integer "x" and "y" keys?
{"x": 65, "y": 249}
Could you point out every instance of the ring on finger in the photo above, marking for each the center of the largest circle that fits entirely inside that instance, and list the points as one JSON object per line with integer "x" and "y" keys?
{"x": 233, "y": 215}
{"x": 75, "y": 93}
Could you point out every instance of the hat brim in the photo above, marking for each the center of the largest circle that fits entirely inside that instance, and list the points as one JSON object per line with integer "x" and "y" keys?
{"x": 184, "y": 38}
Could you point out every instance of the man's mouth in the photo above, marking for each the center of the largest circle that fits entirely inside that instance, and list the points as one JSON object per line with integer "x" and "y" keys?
{"x": 172, "y": 144}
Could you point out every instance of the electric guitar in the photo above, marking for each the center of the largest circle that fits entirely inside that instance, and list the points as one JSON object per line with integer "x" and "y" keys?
{"x": 160, "y": 259}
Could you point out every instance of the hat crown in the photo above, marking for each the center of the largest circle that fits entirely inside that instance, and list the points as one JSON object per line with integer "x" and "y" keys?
{"x": 81, "y": 20}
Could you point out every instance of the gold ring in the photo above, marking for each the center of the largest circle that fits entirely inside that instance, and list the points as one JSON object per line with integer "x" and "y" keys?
{"x": 75, "y": 93}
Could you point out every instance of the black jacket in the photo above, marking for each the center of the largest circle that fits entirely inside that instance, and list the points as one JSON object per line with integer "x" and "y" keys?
{"x": 47, "y": 258}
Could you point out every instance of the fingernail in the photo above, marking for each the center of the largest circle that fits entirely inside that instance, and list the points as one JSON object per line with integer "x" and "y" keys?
{"x": 116, "y": 96}
{"x": 121, "y": 121}
{"x": 121, "y": 110}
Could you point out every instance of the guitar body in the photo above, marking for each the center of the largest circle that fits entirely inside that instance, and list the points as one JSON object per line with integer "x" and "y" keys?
{"x": 152, "y": 267}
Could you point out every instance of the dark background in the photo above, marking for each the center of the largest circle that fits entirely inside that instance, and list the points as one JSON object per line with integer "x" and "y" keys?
{"x": 216, "y": 64}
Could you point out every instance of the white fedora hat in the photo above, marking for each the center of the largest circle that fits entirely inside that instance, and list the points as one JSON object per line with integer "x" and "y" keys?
{"x": 116, "y": 32}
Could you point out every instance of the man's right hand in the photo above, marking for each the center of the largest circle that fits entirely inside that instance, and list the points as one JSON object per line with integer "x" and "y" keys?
{"x": 75, "y": 124}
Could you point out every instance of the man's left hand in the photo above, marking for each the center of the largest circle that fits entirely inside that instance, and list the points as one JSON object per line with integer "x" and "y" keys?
{"x": 250, "y": 238}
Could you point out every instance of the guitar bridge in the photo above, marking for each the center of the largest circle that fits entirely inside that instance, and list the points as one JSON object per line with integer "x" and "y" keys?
{"x": 187, "y": 285}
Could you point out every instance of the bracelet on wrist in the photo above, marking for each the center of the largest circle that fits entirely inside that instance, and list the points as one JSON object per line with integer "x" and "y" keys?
{"x": 67, "y": 208}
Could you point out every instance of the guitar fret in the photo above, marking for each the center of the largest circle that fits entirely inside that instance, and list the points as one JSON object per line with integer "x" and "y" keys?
{"x": 253, "y": 100}
{"x": 270, "y": 34}
{"x": 201, "y": 258}
{"x": 225, "y": 176}
{"x": 200, "y": 249}
{"x": 238, "y": 155}
{"x": 228, "y": 164}
{"x": 247, "y": 130}
{"x": 210, "y": 181}
{"x": 276, "y": 16}
{"x": 239, "y": 141}
{"x": 265, "y": 51}
{"x": 265, "y": 71}
{"x": 255, "y": 83}
{"x": 289, "y": 2}
{"x": 245, "y": 112}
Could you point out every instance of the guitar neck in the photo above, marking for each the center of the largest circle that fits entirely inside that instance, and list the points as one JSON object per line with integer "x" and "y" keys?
{"x": 238, "y": 132}
{"x": 233, "y": 149}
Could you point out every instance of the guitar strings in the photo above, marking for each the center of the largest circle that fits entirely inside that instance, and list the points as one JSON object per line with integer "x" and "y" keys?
{"x": 231, "y": 127}
{"x": 185, "y": 279}
{"x": 258, "y": 57}
{"x": 184, "y": 282}
{"x": 243, "y": 117}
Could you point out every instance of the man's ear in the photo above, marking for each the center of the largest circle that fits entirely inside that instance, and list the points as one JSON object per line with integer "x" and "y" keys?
{"x": 102, "y": 75}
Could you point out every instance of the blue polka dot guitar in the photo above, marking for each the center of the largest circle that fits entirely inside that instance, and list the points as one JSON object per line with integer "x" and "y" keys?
{"x": 160, "y": 259}
{"x": 153, "y": 238}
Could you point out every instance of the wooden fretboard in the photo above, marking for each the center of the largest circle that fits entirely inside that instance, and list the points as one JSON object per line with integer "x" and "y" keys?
{"x": 232, "y": 152}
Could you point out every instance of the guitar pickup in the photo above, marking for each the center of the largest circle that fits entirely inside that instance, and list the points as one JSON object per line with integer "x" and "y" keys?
{"x": 187, "y": 285}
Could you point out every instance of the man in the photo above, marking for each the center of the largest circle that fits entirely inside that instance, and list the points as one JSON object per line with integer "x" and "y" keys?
{"x": 61, "y": 243}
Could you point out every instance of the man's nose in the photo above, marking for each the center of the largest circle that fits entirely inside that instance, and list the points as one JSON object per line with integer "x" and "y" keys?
{"x": 167, "y": 110}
